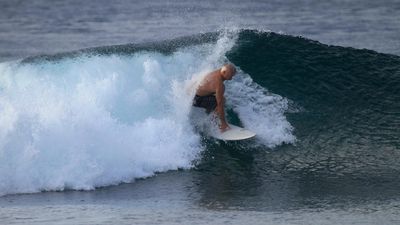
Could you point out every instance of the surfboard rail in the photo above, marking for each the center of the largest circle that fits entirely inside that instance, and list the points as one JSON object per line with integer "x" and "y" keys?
{"x": 235, "y": 133}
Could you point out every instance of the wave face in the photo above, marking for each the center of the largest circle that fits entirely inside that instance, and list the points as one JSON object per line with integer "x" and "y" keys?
{"x": 346, "y": 104}
{"x": 107, "y": 115}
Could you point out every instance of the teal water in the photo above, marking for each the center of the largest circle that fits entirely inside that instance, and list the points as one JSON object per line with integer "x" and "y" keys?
{"x": 90, "y": 132}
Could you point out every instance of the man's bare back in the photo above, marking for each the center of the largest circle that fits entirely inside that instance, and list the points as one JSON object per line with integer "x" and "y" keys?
{"x": 208, "y": 85}
{"x": 210, "y": 93}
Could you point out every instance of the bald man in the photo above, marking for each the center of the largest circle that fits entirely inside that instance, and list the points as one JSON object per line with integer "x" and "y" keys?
{"x": 210, "y": 93}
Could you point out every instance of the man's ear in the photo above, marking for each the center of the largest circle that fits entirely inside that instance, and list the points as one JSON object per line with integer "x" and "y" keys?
{"x": 222, "y": 71}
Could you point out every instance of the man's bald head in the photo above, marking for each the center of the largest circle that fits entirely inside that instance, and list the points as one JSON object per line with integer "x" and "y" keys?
{"x": 227, "y": 71}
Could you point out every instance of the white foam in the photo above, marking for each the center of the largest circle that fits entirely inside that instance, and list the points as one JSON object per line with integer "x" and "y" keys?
{"x": 260, "y": 111}
{"x": 94, "y": 121}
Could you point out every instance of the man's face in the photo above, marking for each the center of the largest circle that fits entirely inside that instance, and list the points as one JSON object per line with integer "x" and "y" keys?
{"x": 230, "y": 74}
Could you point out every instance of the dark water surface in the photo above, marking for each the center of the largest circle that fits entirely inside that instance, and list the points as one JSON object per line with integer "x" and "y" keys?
{"x": 36, "y": 27}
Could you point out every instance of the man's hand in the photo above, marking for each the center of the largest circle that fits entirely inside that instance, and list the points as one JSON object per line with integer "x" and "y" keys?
{"x": 224, "y": 127}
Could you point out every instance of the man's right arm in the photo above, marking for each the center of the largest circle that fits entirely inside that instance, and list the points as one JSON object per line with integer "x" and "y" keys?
{"x": 220, "y": 105}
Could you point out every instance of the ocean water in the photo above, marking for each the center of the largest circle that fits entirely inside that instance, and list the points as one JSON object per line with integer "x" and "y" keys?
{"x": 96, "y": 123}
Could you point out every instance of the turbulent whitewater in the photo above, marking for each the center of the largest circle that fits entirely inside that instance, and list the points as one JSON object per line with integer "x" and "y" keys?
{"x": 108, "y": 115}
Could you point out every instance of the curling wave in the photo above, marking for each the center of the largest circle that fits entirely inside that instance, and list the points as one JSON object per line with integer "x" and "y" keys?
{"x": 107, "y": 115}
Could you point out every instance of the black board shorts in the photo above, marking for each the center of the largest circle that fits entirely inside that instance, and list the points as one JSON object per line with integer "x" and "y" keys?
{"x": 209, "y": 102}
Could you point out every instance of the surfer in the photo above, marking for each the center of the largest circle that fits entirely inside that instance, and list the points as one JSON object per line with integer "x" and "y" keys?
{"x": 210, "y": 93}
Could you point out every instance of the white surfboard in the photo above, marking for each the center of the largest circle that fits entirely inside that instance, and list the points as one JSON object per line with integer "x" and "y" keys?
{"x": 235, "y": 133}
{"x": 207, "y": 124}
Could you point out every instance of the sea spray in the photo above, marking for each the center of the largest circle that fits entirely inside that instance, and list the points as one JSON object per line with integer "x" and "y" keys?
{"x": 260, "y": 111}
